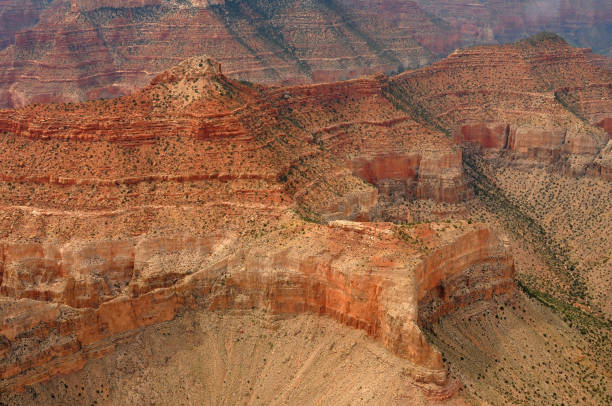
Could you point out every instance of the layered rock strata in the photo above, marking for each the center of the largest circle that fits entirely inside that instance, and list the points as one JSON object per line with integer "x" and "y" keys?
{"x": 375, "y": 139}
{"x": 122, "y": 213}
{"x": 83, "y": 50}
{"x": 548, "y": 106}
{"x": 65, "y": 304}
{"x": 335, "y": 134}
{"x": 74, "y": 50}
{"x": 18, "y": 15}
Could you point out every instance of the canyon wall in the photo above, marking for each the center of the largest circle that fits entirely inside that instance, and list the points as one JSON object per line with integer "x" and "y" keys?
{"x": 18, "y": 15}
{"x": 84, "y": 50}
{"x": 60, "y": 310}
{"x": 400, "y": 156}
{"x": 533, "y": 144}
{"x": 204, "y": 193}
{"x": 476, "y": 267}
{"x": 74, "y": 50}
{"x": 550, "y": 105}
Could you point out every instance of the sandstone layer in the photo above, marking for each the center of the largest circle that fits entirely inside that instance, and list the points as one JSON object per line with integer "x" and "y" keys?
{"x": 73, "y": 314}
{"x": 532, "y": 118}
{"x": 204, "y": 194}
{"x": 84, "y": 50}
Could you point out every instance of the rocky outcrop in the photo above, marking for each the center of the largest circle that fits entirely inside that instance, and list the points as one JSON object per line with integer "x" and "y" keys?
{"x": 533, "y": 144}
{"x": 432, "y": 175}
{"x": 487, "y": 135}
{"x": 544, "y": 107}
{"x": 145, "y": 281}
{"x": 401, "y": 157}
{"x": 476, "y": 267}
{"x": 204, "y": 193}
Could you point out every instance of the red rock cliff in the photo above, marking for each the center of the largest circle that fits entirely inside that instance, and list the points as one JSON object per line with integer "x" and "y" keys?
{"x": 118, "y": 214}
{"x": 84, "y": 309}
{"x": 539, "y": 100}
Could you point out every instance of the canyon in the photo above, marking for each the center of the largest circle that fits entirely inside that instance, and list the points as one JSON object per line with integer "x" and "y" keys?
{"x": 137, "y": 161}
{"x": 391, "y": 210}
{"x": 76, "y": 50}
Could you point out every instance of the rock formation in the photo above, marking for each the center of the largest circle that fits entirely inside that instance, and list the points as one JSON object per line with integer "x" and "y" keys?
{"x": 59, "y": 310}
{"x": 84, "y": 50}
{"x": 75, "y": 50}
{"x": 547, "y": 106}
{"x": 204, "y": 193}
{"x": 345, "y": 121}
{"x": 118, "y": 214}
{"x": 532, "y": 119}
{"x": 18, "y": 15}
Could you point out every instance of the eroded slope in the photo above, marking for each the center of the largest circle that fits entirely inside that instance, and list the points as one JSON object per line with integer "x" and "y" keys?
{"x": 124, "y": 213}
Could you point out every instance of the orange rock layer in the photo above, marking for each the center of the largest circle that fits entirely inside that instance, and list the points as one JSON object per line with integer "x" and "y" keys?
{"x": 63, "y": 305}
{"x": 291, "y": 127}
{"x": 200, "y": 192}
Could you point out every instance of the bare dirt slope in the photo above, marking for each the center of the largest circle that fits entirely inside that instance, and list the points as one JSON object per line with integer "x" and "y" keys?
{"x": 240, "y": 358}
{"x": 519, "y": 352}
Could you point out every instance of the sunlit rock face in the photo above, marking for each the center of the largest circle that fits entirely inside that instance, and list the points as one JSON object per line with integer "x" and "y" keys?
{"x": 204, "y": 193}
{"x": 201, "y": 193}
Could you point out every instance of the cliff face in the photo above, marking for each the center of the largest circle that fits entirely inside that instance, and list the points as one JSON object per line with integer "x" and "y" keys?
{"x": 71, "y": 311}
{"x": 537, "y": 107}
{"x": 74, "y": 50}
{"x": 205, "y": 193}
{"x": 547, "y": 106}
{"x": 476, "y": 267}
{"x": 118, "y": 214}
{"x": 18, "y": 15}
{"x": 85, "y": 50}
{"x": 532, "y": 119}
{"x": 376, "y": 140}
